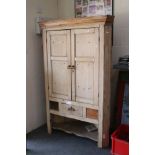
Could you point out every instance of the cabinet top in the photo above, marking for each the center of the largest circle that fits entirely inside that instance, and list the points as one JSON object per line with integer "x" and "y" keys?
{"x": 76, "y": 21}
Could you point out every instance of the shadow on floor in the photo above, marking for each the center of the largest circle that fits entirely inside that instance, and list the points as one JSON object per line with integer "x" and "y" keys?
{"x": 39, "y": 142}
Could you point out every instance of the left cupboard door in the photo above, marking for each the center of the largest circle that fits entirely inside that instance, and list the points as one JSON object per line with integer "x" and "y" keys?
{"x": 59, "y": 54}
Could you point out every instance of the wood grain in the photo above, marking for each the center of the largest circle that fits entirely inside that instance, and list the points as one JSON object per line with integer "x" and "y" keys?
{"x": 91, "y": 113}
{"x": 107, "y": 84}
{"x": 76, "y": 21}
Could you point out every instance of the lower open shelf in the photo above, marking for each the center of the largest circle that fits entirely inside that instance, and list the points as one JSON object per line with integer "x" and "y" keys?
{"x": 78, "y": 128}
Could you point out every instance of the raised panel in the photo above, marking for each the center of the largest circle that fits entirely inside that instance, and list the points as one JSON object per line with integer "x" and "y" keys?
{"x": 87, "y": 41}
{"x": 84, "y": 81}
{"x": 59, "y": 77}
{"x": 58, "y": 44}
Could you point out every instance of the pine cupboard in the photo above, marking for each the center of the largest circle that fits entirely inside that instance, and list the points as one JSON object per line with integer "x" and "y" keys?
{"x": 77, "y": 66}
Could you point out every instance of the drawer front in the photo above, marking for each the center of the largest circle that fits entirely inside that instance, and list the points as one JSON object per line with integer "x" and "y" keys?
{"x": 91, "y": 113}
{"x": 71, "y": 110}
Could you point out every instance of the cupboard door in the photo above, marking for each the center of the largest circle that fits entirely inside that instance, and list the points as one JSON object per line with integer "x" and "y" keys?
{"x": 58, "y": 48}
{"x": 85, "y": 52}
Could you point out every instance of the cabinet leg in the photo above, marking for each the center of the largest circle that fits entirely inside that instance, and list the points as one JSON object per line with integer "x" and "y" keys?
{"x": 100, "y": 135}
{"x": 104, "y": 142}
{"x": 49, "y": 125}
{"x": 99, "y": 144}
{"x": 100, "y": 139}
{"x": 103, "y": 139}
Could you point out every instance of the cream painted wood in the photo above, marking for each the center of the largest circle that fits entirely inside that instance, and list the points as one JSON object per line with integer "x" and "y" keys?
{"x": 46, "y": 81}
{"x": 75, "y": 103}
{"x": 58, "y": 59}
{"x": 85, "y": 52}
{"x": 74, "y": 117}
{"x": 71, "y": 110}
{"x": 101, "y": 92}
{"x": 77, "y": 64}
{"x": 84, "y": 112}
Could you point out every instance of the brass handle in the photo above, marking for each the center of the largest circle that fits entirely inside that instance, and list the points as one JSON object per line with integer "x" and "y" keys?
{"x": 70, "y": 67}
{"x": 73, "y": 67}
{"x": 71, "y": 109}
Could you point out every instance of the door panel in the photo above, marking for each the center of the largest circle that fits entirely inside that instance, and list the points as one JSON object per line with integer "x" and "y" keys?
{"x": 84, "y": 43}
{"x": 59, "y": 85}
{"x": 58, "y": 59}
{"x": 84, "y": 81}
{"x": 85, "y": 51}
{"x": 58, "y": 44}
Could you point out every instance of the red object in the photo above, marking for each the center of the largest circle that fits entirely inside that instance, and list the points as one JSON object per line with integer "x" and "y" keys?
{"x": 120, "y": 141}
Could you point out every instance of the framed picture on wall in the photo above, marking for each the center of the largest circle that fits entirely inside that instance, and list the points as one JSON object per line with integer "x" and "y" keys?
{"x": 87, "y": 8}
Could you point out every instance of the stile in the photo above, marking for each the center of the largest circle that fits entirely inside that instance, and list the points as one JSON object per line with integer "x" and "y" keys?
{"x": 46, "y": 82}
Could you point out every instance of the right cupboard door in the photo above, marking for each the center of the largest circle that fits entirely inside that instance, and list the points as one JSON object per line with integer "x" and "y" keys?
{"x": 84, "y": 55}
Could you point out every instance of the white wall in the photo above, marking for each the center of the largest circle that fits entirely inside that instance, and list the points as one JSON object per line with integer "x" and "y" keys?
{"x": 121, "y": 29}
{"x": 35, "y": 97}
{"x": 66, "y": 9}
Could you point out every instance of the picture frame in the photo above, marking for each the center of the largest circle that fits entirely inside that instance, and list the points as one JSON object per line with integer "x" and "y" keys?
{"x": 86, "y": 8}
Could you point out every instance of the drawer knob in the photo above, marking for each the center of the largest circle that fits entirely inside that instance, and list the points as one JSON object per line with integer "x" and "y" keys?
{"x": 71, "y": 109}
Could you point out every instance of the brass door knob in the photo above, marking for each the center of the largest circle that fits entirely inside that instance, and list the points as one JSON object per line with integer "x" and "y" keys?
{"x": 73, "y": 67}
{"x": 70, "y": 67}
{"x": 71, "y": 109}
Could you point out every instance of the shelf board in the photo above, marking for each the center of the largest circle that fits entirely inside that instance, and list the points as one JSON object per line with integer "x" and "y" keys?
{"x": 77, "y": 128}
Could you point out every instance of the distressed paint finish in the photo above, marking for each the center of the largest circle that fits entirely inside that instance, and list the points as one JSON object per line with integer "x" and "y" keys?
{"x": 77, "y": 64}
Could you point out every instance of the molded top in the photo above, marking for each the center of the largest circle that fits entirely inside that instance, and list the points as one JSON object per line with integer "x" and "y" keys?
{"x": 76, "y": 21}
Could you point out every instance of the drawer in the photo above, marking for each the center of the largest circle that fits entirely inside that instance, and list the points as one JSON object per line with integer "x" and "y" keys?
{"x": 91, "y": 113}
{"x": 71, "y": 110}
